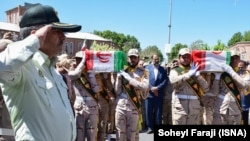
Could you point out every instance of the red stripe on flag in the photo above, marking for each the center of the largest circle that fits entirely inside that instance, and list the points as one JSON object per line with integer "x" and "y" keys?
{"x": 217, "y": 52}
{"x": 198, "y": 56}
{"x": 89, "y": 59}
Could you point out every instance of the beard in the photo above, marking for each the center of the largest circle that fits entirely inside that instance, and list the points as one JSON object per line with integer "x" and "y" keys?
{"x": 133, "y": 65}
{"x": 156, "y": 63}
{"x": 186, "y": 65}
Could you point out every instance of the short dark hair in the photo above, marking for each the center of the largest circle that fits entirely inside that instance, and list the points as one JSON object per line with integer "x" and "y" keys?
{"x": 25, "y": 31}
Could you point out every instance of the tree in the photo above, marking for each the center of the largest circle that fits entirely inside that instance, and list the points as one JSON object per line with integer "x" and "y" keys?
{"x": 98, "y": 47}
{"x": 246, "y": 36}
{"x": 199, "y": 45}
{"x": 149, "y": 51}
{"x": 205, "y": 47}
{"x": 237, "y": 37}
{"x": 123, "y": 42}
{"x": 220, "y": 46}
{"x": 131, "y": 42}
{"x": 175, "y": 50}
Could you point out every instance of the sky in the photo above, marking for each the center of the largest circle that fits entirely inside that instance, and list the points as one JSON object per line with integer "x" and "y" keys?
{"x": 148, "y": 20}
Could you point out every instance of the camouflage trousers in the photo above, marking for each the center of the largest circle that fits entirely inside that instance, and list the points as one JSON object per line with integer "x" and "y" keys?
{"x": 87, "y": 124}
{"x": 126, "y": 125}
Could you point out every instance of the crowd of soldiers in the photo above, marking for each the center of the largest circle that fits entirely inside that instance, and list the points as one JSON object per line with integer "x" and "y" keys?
{"x": 211, "y": 102}
{"x": 108, "y": 102}
{"x": 100, "y": 106}
{"x": 105, "y": 102}
{"x": 210, "y": 98}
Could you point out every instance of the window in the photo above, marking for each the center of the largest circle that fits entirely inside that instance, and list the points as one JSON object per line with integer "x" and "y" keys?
{"x": 71, "y": 48}
{"x": 65, "y": 48}
{"x": 79, "y": 46}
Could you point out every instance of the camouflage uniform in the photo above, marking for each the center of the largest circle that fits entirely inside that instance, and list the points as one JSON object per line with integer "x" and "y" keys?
{"x": 186, "y": 105}
{"x": 87, "y": 111}
{"x": 167, "y": 107}
{"x": 227, "y": 110}
{"x": 208, "y": 98}
{"x": 126, "y": 113}
{"x": 107, "y": 79}
{"x": 110, "y": 82}
{"x": 103, "y": 103}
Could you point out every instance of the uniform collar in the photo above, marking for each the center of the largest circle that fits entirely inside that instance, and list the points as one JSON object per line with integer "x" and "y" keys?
{"x": 236, "y": 69}
{"x": 130, "y": 69}
{"x": 43, "y": 59}
{"x": 186, "y": 69}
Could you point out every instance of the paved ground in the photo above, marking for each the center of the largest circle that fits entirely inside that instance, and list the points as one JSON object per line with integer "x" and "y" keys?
{"x": 143, "y": 137}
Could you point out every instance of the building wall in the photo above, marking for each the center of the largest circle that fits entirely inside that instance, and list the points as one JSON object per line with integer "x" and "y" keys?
{"x": 244, "y": 49}
{"x": 14, "y": 15}
{"x": 71, "y": 45}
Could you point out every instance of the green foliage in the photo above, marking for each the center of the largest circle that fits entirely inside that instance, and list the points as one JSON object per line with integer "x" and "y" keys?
{"x": 205, "y": 47}
{"x": 175, "y": 50}
{"x": 199, "y": 45}
{"x": 237, "y": 37}
{"x": 220, "y": 46}
{"x": 131, "y": 42}
{"x": 149, "y": 51}
{"x": 246, "y": 36}
{"x": 120, "y": 40}
{"x": 98, "y": 47}
{"x": 126, "y": 42}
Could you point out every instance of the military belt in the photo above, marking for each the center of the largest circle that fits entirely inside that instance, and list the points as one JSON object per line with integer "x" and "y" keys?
{"x": 123, "y": 95}
{"x": 184, "y": 96}
{"x": 85, "y": 98}
{"x": 223, "y": 97}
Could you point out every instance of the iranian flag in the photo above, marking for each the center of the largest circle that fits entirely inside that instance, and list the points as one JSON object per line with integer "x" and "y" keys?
{"x": 210, "y": 60}
{"x": 105, "y": 61}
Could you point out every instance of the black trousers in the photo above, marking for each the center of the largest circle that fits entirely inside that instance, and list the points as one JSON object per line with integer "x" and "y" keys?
{"x": 245, "y": 117}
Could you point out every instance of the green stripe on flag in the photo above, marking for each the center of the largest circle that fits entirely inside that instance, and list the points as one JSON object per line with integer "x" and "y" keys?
{"x": 228, "y": 57}
{"x": 119, "y": 60}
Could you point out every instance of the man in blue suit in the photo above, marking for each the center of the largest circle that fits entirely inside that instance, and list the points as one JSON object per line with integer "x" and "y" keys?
{"x": 154, "y": 103}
